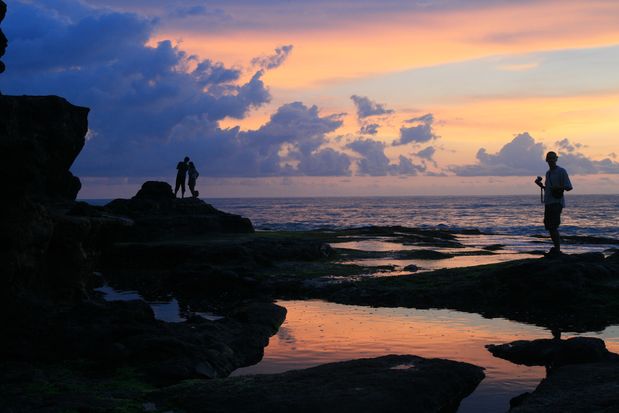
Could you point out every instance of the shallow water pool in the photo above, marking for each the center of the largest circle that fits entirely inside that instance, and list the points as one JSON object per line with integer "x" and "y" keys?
{"x": 317, "y": 332}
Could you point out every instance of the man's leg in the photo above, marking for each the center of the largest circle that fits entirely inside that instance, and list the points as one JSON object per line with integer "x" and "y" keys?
{"x": 183, "y": 188}
{"x": 552, "y": 220}
{"x": 556, "y": 238}
{"x": 178, "y": 185}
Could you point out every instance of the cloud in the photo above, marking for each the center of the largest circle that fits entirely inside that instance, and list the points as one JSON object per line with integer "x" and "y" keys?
{"x": 289, "y": 144}
{"x": 374, "y": 162}
{"x": 524, "y": 156}
{"x": 273, "y": 61}
{"x": 369, "y": 129}
{"x": 521, "y": 156}
{"x": 565, "y": 145}
{"x": 427, "y": 153}
{"x": 366, "y": 107}
{"x": 420, "y": 133}
{"x": 154, "y": 104}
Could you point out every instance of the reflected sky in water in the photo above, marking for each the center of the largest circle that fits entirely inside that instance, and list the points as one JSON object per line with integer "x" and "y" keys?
{"x": 317, "y": 332}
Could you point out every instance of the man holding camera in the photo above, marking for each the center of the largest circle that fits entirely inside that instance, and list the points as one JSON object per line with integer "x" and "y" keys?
{"x": 557, "y": 181}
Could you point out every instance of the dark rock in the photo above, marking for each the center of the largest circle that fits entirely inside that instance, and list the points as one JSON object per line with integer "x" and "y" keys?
{"x": 517, "y": 401}
{"x": 589, "y": 387}
{"x": 423, "y": 255}
{"x": 158, "y": 214}
{"x": 155, "y": 190}
{"x": 385, "y": 384}
{"x": 3, "y": 40}
{"x": 40, "y": 137}
{"x": 494, "y": 247}
{"x": 568, "y": 293}
{"x": 552, "y": 352}
{"x": 125, "y": 333}
{"x": 411, "y": 268}
{"x": 39, "y": 140}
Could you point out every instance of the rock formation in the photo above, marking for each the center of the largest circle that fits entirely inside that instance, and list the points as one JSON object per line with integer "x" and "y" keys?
{"x": 3, "y": 40}
{"x": 553, "y": 352}
{"x": 384, "y": 384}
{"x": 157, "y": 213}
{"x": 40, "y": 138}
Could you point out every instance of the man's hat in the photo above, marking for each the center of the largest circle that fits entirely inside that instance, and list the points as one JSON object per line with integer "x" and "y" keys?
{"x": 551, "y": 156}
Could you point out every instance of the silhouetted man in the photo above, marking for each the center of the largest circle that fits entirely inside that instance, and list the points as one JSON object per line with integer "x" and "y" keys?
{"x": 181, "y": 175}
{"x": 557, "y": 181}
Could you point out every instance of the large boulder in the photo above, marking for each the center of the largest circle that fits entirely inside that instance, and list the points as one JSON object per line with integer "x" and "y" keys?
{"x": 158, "y": 214}
{"x": 589, "y": 387}
{"x": 552, "y": 352}
{"x": 155, "y": 190}
{"x": 40, "y": 137}
{"x": 385, "y": 384}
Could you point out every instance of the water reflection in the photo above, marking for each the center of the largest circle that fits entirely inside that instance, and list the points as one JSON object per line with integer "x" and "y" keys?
{"x": 169, "y": 311}
{"x": 317, "y": 332}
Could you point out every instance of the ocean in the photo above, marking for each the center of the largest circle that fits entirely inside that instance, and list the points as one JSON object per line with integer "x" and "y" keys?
{"x": 591, "y": 215}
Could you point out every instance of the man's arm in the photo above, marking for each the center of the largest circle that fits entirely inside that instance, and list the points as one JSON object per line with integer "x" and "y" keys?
{"x": 567, "y": 185}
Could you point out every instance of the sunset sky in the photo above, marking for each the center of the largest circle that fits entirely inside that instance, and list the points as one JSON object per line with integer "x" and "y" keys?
{"x": 310, "y": 98}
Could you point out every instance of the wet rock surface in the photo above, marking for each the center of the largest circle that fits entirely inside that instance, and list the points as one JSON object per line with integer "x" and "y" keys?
{"x": 125, "y": 333}
{"x": 553, "y": 352}
{"x": 589, "y": 387}
{"x": 568, "y": 293}
{"x": 385, "y": 384}
{"x": 582, "y": 375}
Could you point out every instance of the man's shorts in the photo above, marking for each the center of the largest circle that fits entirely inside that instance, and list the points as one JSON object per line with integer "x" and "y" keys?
{"x": 552, "y": 216}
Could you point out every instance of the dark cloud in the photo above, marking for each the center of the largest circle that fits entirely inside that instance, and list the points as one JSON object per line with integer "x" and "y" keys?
{"x": 427, "y": 153}
{"x": 275, "y": 60}
{"x": 422, "y": 132}
{"x": 374, "y": 162}
{"x": 578, "y": 163}
{"x": 152, "y": 105}
{"x": 288, "y": 144}
{"x": 567, "y": 146}
{"x": 325, "y": 162}
{"x": 523, "y": 156}
{"x": 366, "y": 107}
{"x": 190, "y": 11}
{"x": 369, "y": 129}
{"x": 315, "y": 15}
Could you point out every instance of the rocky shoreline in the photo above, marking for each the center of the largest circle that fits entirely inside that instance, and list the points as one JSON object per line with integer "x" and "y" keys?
{"x": 67, "y": 349}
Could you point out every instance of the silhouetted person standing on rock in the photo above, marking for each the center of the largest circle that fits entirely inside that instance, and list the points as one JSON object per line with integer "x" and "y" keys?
{"x": 181, "y": 175}
{"x": 557, "y": 181}
{"x": 193, "y": 176}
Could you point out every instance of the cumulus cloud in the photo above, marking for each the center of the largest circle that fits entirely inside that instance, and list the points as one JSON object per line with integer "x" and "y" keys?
{"x": 374, "y": 162}
{"x": 566, "y": 145}
{"x": 427, "y": 153}
{"x": 290, "y": 143}
{"x": 524, "y": 156}
{"x": 366, "y": 107}
{"x": 369, "y": 129}
{"x": 421, "y": 132}
{"x": 275, "y": 60}
{"x": 154, "y": 104}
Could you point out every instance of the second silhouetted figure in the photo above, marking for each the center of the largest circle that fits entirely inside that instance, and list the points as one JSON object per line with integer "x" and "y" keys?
{"x": 181, "y": 175}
